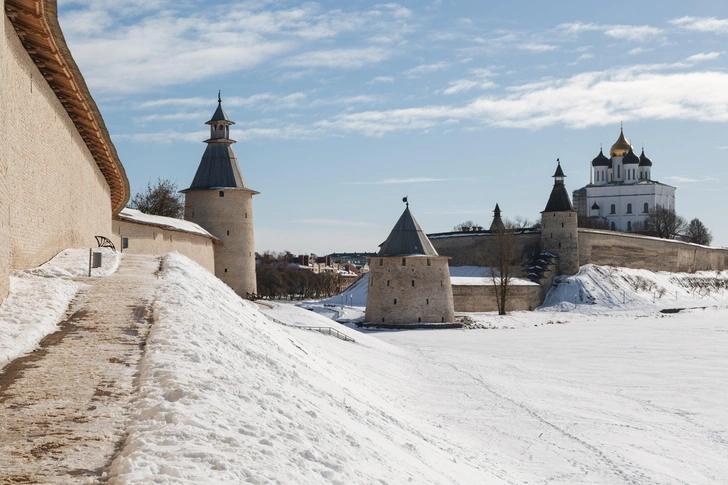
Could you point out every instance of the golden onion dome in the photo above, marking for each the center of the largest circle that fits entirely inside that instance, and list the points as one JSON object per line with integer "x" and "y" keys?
{"x": 621, "y": 147}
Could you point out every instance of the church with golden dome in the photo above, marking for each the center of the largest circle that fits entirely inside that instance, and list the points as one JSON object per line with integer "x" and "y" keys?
{"x": 621, "y": 189}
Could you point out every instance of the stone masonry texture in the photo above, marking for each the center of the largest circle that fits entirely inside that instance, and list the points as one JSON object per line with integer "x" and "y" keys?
{"x": 53, "y": 194}
{"x": 230, "y": 219}
{"x": 148, "y": 239}
{"x": 418, "y": 291}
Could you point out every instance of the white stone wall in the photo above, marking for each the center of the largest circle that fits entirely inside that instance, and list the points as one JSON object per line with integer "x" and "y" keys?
{"x": 417, "y": 291}
{"x": 4, "y": 195}
{"x": 230, "y": 219}
{"x": 53, "y": 193}
{"x": 621, "y": 196}
{"x": 148, "y": 239}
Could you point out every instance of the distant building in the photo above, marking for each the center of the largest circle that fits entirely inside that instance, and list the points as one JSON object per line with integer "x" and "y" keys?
{"x": 408, "y": 281}
{"x": 220, "y": 201}
{"x": 621, "y": 191}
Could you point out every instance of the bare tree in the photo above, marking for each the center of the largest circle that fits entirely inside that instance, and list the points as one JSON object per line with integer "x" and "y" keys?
{"x": 697, "y": 233}
{"x": 504, "y": 261}
{"x": 161, "y": 199}
{"x": 467, "y": 226}
{"x": 665, "y": 223}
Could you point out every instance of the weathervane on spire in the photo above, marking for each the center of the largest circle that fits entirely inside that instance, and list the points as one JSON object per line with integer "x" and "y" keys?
{"x": 404, "y": 199}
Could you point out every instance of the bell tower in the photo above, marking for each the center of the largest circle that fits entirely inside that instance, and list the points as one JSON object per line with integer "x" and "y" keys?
{"x": 220, "y": 201}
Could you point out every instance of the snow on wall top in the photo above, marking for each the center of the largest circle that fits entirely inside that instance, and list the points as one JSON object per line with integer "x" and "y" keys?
{"x": 170, "y": 223}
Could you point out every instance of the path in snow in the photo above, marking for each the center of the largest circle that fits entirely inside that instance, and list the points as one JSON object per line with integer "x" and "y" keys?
{"x": 62, "y": 408}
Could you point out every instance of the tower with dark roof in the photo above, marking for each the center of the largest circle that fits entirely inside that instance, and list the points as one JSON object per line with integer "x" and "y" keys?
{"x": 220, "y": 201}
{"x": 408, "y": 281}
{"x": 559, "y": 233}
{"x": 497, "y": 224}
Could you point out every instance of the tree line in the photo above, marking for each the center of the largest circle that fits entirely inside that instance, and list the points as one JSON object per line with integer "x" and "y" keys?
{"x": 278, "y": 278}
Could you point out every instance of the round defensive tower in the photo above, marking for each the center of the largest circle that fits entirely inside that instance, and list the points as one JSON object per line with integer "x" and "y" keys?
{"x": 559, "y": 227}
{"x": 220, "y": 201}
{"x": 408, "y": 281}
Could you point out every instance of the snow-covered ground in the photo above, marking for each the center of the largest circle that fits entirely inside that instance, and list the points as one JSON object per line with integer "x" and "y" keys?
{"x": 609, "y": 397}
{"x": 39, "y": 298}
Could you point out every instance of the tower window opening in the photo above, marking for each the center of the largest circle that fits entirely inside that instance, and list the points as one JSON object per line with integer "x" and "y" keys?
{"x": 387, "y": 282}
{"x": 562, "y": 224}
{"x": 559, "y": 245}
{"x": 222, "y": 193}
{"x": 381, "y": 261}
{"x": 419, "y": 319}
{"x": 228, "y": 233}
{"x": 427, "y": 300}
{"x": 440, "y": 282}
{"x": 226, "y": 270}
{"x": 382, "y": 319}
{"x": 613, "y": 209}
{"x": 246, "y": 215}
{"x": 429, "y": 263}
{"x": 552, "y": 235}
{"x": 193, "y": 213}
{"x": 413, "y": 282}
{"x": 404, "y": 261}
{"x": 442, "y": 319}
{"x": 371, "y": 281}
{"x": 395, "y": 301}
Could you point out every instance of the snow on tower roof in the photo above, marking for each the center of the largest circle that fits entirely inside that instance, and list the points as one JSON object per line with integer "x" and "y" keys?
{"x": 407, "y": 238}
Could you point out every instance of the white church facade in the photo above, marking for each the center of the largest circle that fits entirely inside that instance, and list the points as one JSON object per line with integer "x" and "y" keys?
{"x": 621, "y": 191}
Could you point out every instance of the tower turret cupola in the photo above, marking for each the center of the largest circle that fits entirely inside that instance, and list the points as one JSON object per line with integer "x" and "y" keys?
{"x": 621, "y": 147}
{"x": 220, "y": 123}
{"x": 497, "y": 224}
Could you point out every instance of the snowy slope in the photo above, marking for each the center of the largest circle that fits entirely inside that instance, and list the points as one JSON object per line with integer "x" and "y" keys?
{"x": 228, "y": 396}
{"x": 39, "y": 298}
{"x": 596, "y": 289}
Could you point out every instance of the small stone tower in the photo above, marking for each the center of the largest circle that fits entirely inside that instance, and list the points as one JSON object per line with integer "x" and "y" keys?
{"x": 220, "y": 201}
{"x": 408, "y": 281}
{"x": 497, "y": 224}
{"x": 559, "y": 233}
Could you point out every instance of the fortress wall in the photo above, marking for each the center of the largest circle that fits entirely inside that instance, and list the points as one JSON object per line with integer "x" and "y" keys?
{"x": 393, "y": 298}
{"x": 641, "y": 252}
{"x": 4, "y": 197}
{"x": 148, "y": 239}
{"x": 469, "y": 298}
{"x": 53, "y": 194}
{"x": 471, "y": 250}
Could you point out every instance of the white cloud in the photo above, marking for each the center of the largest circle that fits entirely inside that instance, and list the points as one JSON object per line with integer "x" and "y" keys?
{"x": 634, "y": 33}
{"x": 265, "y": 100}
{"x": 133, "y": 46}
{"x": 465, "y": 85}
{"x": 707, "y": 56}
{"x": 382, "y": 79}
{"x": 423, "y": 69}
{"x": 688, "y": 180}
{"x": 702, "y": 24}
{"x": 340, "y": 58}
{"x": 536, "y": 47}
{"x": 638, "y": 50}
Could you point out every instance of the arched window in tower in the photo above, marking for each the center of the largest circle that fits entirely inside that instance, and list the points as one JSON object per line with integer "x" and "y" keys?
{"x": 613, "y": 209}
{"x": 646, "y": 208}
{"x": 629, "y": 208}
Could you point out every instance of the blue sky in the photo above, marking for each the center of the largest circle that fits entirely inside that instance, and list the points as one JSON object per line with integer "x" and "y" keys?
{"x": 343, "y": 108}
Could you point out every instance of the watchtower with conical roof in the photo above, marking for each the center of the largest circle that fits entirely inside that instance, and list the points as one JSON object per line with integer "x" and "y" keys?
{"x": 220, "y": 201}
{"x": 408, "y": 281}
{"x": 559, "y": 227}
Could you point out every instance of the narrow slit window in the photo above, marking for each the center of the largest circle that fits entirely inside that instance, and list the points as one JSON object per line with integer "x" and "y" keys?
{"x": 222, "y": 193}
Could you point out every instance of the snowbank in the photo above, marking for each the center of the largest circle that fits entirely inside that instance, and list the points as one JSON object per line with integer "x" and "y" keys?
{"x": 596, "y": 289}
{"x": 228, "y": 396}
{"x": 133, "y": 215}
{"x": 39, "y": 298}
